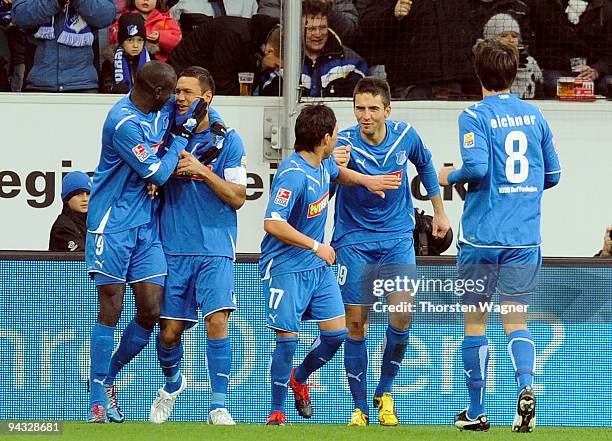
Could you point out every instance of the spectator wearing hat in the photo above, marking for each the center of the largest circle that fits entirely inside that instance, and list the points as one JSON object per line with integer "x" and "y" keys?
{"x": 119, "y": 70}
{"x": 69, "y": 229}
{"x": 529, "y": 75}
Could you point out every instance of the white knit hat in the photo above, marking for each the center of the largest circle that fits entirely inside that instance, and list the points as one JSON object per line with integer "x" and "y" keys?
{"x": 500, "y": 23}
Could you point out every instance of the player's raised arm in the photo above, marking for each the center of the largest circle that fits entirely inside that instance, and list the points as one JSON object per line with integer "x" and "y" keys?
{"x": 231, "y": 189}
{"x": 374, "y": 183}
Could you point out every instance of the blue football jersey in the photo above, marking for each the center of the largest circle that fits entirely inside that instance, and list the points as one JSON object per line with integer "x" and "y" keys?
{"x": 130, "y": 141}
{"x": 361, "y": 216}
{"x": 512, "y": 140}
{"x": 194, "y": 221}
{"x": 299, "y": 195}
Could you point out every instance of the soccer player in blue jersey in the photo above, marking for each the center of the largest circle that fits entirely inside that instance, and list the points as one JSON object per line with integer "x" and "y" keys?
{"x": 374, "y": 239}
{"x": 509, "y": 159}
{"x": 198, "y": 231}
{"x": 294, "y": 261}
{"x": 122, "y": 244}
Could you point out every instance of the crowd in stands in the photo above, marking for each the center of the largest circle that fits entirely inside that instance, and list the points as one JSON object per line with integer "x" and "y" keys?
{"x": 423, "y": 48}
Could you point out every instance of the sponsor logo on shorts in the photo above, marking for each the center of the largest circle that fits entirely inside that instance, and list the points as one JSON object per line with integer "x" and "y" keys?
{"x": 282, "y": 197}
{"x": 316, "y": 208}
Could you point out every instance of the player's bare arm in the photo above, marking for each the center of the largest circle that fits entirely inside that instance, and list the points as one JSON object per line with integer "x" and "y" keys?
{"x": 374, "y": 183}
{"x": 443, "y": 174}
{"x": 232, "y": 194}
{"x": 440, "y": 223}
{"x": 289, "y": 235}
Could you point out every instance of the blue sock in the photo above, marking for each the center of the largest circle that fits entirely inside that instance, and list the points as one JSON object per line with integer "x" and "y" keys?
{"x": 280, "y": 370}
{"x": 219, "y": 361}
{"x": 522, "y": 353}
{"x": 133, "y": 340}
{"x": 396, "y": 342}
{"x": 356, "y": 367}
{"x": 101, "y": 348}
{"x": 170, "y": 363}
{"x": 322, "y": 350}
{"x": 475, "y": 351}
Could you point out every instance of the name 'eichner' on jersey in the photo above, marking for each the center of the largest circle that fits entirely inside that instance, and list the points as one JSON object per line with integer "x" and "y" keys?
{"x": 512, "y": 139}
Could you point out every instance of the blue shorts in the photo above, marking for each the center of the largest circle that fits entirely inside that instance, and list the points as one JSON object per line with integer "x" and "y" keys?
{"x": 305, "y": 295}
{"x": 360, "y": 266}
{"x": 131, "y": 256}
{"x": 205, "y": 282}
{"x": 513, "y": 272}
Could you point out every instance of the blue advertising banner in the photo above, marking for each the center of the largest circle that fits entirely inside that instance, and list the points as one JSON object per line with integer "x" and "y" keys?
{"x": 48, "y": 307}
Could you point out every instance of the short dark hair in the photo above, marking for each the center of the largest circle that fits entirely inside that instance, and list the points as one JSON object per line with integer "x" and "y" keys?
{"x": 312, "y": 124}
{"x": 375, "y": 87}
{"x": 496, "y": 64}
{"x": 154, "y": 74}
{"x": 316, "y": 7}
{"x": 202, "y": 75}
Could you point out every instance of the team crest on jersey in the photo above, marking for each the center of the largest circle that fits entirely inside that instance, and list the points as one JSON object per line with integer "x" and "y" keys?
{"x": 400, "y": 157}
{"x": 316, "y": 208}
{"x": 468, "y": 140}
{"x": 141, "y": 152}
{"x": 282, "y": 197}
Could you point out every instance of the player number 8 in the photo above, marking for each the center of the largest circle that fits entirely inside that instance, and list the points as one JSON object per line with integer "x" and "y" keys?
{"x": 514, "y": 156}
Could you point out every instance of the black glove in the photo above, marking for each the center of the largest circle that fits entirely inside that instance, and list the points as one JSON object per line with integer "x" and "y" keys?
{"x": 217, "y": 134}
{"x": 186, "y": 128}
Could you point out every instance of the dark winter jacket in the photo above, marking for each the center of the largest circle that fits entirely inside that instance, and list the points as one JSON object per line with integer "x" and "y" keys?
{"x": 334, "y": 73}
{"x": 431, "y": 45}
{"x": 558, "y": 40}
{"x": 69, "y": 231}
{"x": 225, "y": 46}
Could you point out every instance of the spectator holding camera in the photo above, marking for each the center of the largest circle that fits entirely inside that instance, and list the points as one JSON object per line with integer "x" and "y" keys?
{"x": 63, "y": 31}
{"x": 606, "y": 250}
{"x": 69, "y": 229}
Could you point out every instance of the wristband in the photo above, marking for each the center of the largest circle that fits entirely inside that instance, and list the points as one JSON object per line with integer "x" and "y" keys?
{"x": 315, "y": 247}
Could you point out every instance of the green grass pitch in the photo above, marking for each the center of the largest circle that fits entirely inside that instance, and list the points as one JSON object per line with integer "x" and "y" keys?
{"x": 139, "y": 431}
